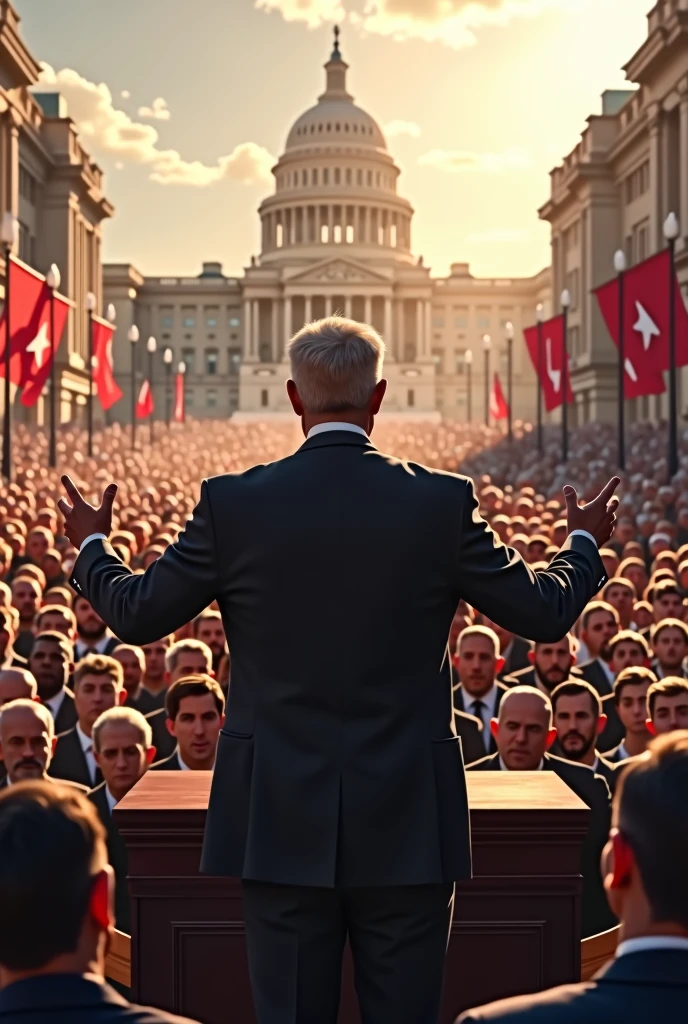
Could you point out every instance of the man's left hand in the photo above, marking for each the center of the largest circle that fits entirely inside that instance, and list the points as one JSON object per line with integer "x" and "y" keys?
{"x": 82, "y": 519}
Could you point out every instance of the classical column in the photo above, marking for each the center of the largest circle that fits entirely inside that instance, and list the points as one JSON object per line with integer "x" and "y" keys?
{"x": 287, "y": 321}
{"x": 388, "y": 337}
{"x": 348, "y": 306}
{"x": 248, "y": 331}
{"x": 420, "y": 323}
{"x": 367, "y": 238}
{"x": 309, "y": 308}
{"x": 428, "y": 328}
{"x": 255, "y": 324}
{"x": 401, "y": 329}
{"x": 656, "y": 179}
{"x": 368, "y": 314}
{"x": 330, "y": 224}
{"x": 683, "y": 158}
{"x": 318, "y": 225}
{"x": 274, "y": 340}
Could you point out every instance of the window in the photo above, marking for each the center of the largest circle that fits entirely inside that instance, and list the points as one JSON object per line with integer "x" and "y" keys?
{"x": 370, "y": 177}
{"x": 189, "y": 397}
{"x": 314, "y": 176}
{"x": 167, "y": 321}
{"x": 27, "y": 185}
{"x": 234, "y": 321}
{"x": 483, "y": 322}
{"x": 410, "y": 398}
{"x": 348, "y": 175}
{"x": 359, "y": 177}
{"x": 188, "y": 317}
{"x": 393, "y": 236}
{"x": 637, "y": 183}
{"x": 26, "y": 245}
{"x": 337, "y": 233}
{"x": 211, "y": 317}
{"x": 304, "y": 177}
{"x": 326, "y": 176}
{"x": 337, "y": 176}
{"x": 438, "y": 321}
{"x": 460, "y": 363}
{"x": 211, "y": 362}
{"x": 264, "y": 398}
{"x": 234, "y": 361}
{"x": 189, "y": 359}
{"x": 211, "y": 398}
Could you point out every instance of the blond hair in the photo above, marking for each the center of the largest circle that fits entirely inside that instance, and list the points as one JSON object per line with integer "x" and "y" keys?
{"x": 335, "y": 364}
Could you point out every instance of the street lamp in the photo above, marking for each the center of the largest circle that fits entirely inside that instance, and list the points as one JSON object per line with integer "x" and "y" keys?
{"x": 509, "y": 372}
{"x": 167, "y": 359}
{"x": 487, "y": 345}
{"x": 133, "y": 336}
{"x": 565, "y": 303}
{"x": 469, "y": 383}
{"x": 111, "y": 313}
{"x": 538, "y": 317}
{"x": 90, "y": 307}
{"x": 181, "y": 370}
{"x": 52, "y": 279}
{"x": 151, "y": 345}
{"x": 671, "y": 233}
{"x": 620, "y": 268}
{"x": 9, "y": 236}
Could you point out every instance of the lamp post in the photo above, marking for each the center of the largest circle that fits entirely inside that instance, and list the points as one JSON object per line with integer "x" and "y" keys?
{"x": 133, "y": 336}
{"x": 538, "y": 315}
{"x": 487, "y": 345}
{"x": 9, "y": 235}
{"x": 90, "y": 307}
{"x": 52, "y": 279}
{"x": 565, "y": 303}
{"x": 671, "y": 233}
{"x": 509, "y": 375}
{"x": 151, "y": 345}
{"x": 167, "y": 359}
{"x": 469, "y": 383}
{"x": 181, "y": 369}
{"x": 620, "y": 268}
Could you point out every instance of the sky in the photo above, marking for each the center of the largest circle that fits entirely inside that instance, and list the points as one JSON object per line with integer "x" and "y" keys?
{"x": 186, "y": 105}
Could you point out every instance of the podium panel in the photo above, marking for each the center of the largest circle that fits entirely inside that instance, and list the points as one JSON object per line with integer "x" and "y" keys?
{"x": 516, "y": 925}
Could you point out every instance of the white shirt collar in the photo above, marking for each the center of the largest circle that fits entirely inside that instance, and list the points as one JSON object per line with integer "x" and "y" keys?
{"x": 55, "y": 703}
{"x": 110, "y": 799}
{"x": 607, "y": 671}
{"x": 623, "y": 753}
{"x": 504, "y": 768}
{"x": 182, "y": 764}
{"x": 322, "y": 428}
{"x": 85, "y": 741}
{"x": 647, "y": 942}
{"x": 82, "y": 647}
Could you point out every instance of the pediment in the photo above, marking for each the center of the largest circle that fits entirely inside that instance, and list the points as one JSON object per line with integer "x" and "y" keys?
{"x": 338, "y": 271}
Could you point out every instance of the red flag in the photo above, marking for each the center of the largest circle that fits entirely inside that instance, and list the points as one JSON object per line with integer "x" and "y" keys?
{"x": 179, "y": 398}
{"x": 499, "y": 410}
{"x": 646, "y": 323}
{"x": 29, "y": 301}
{"x": 106, "y": 386}
{"x": 38, "y": 357}
{"x": 550, "y": 373}
{"x": 145, "y": 406}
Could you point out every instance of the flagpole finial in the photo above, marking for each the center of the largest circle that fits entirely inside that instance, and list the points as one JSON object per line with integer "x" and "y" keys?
{"x": 336, "y": 52}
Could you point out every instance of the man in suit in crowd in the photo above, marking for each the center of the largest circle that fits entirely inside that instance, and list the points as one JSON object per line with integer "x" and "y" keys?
{"x": 151, "y": 695}
{"x": 55, "y": 618}
{"x": 599, "y": 623}
{"x": 123, "y": 749}
{"x": 630, "y": 698}
{"x": 579, "y": 720}
{"x": 338, "y": 794}
{"x": 93, "y": 636}
{"x": 208, "y": 628}
{"x": 133, "y": 664}
{"x": 523, "y": 733}
{"x": 628, "y": 650}
{"x": 51, "y": 664}
{"x": 26, "y": 596}
{"x": 195, "y": 709}
{"x": 8, "y": 656}
{"x": 98, "y": 685}
{"x": 644, "y": 876}
{"x": 667, "y": 705}
{"x": 514, "y": 650}
{"x": 52, "y": 958}
{"x": 669, "y": 641}
{"x": 182, "y": 658}
{"x": 17, "y": 684}
{"x": 620, "y": 594}
{"x": 550, "y": 665}
{"x": 478, "y": 663}
{"x": 27, "y": 742}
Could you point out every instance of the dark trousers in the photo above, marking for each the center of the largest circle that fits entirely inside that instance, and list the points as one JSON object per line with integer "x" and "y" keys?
{"x": 295, "y": 937}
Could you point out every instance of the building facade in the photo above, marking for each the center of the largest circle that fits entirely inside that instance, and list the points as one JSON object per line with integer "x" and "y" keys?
{"x": 336, "y": 237}
{"x": 50, "y": 184}
{"x": 613, "y": 191}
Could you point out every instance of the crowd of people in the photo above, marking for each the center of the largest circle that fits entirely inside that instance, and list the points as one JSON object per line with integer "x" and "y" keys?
{"x": 82, "y": 708}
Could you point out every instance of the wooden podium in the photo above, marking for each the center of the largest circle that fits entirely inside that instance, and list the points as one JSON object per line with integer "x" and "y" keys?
{"x": 516, "y": 924}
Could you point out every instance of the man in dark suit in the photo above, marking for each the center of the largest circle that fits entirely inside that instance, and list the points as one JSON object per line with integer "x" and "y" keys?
{"x": 523, "y": 733}
{"x": 338, "y": 793}
{"x": 630, "y": 702}
{"x": 52, "y": 971}
{"x": 599, "y": 623}
{"x": 8, "y": 656}
{"x": 27, "y": 742}
{"x": 51, "y": 663}
{"x": 669, "y": 640}
{"x": 93, "y": 636}
{"x": 579, "y": 720}
{"x": 478, "y": 663}
{"x": 550, "y": 665}
{"x": 195, "y": 709}
{"x": 644, "y": 869}
{"x": 514, "y": 650}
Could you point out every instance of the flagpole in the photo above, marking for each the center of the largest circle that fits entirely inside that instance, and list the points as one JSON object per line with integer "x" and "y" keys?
{"x": 182, "y": 372}
{"x": 469, "y": 384}
{"x": 509, "y": 372}
{"x": 151, "y": 345}
{"x": 671, "y": 233}
{"x": 620, "y": 267}
{"x": 486, "y": 349}
{"x": 565, "y": 303}
{"x": 52, "y": 279}
{"x": 10, "y": 234}
{"x": 90, "y": 307}
{"x": 133, "y": 336}
{"x": 538, "y": 315}
{"x": 167, "y": 357}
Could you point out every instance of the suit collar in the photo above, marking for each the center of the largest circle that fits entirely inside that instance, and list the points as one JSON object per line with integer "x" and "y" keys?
{"x": 653, "y": 966}
{"x": 337, "y": 439}
{"x": 57, "y": 991}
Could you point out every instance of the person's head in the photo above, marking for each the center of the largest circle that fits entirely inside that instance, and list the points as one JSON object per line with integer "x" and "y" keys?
{"x": 26, "y": 595}
{"x": 553, "y": 661}
{"x": 89, "y": 624}
{"x": 669, "y": 640}
{"x": 195, "y": 707}
{"x": 666, "y": 600}
{"x": 535, "y": 549}
{"x": 154, "y": 655}
{"x": 7, "y": 633}
{"x": 336, "y": 373}
{"x": 628, "y": 648}
{"x": 133, "y": 664}
{"x": 98, "y": 685}
{"x": 188, "y": 658}
{"x": 599, "y": 623}
{"x": 17, "y": 684}
{"x": 27, "y": 739}
{"x": 578, "y": 718}
{"x": 644, "y": 862}
{"x": 667, "y": 705}
{"x": 524, "y": 729}
{"x": 633, "y": 569}
{"x": 34, "y": 572}
{"x": 51, "y": 662}
{"x": 56, "y": 887}
{"x": 620, "y": 594}
{"x": 59, "y": 596}
{"x": 38, "y": 542}
{"x": 610, "y": 561}
{"x": 479, "y": 660}
{"x": 659, "y": 542}
{"x": 642, "y": 614}
{"x": 630, "y": 696}
{"x": 51, "y": 564}
{"x": 209, "y": 629}
{"x": 123, "y": 748}
{"x": 56, "y": 619}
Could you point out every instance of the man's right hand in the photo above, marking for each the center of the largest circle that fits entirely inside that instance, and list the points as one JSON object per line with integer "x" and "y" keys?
{"x": 598, "y": 517}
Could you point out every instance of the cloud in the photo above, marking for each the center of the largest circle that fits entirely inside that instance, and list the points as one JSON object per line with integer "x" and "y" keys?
{"x": 498, "y": 236}
{"x": 110, "y": 131}
{"x": 396, "y": 128}
{"x": 462, "y": 161}
{"x": 158, "y": 110}
{"x": 312, "y": 12}
{"x": 125, "y": 94}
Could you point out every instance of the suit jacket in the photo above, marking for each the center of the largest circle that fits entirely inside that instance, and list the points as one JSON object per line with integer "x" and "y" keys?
{"x": 614, "y": 730}
{"x": 463, "y": 701}
{"x": 528, "y": 677}
{"x": 469, "y": 729}
{"x": 66, "y": 716}
{"x": 168, "y": 764}
{"x": 58, "y": 782}
{"x": 117, "y": 855}
{"x": 593, "y": 673}
{"x": 69, "y": 761}
{"x": 594, "y": 792}
{"x": 605, "y": 768}
{"x": 164, "y": 743}
{"x": 74, "y": 999}
{"x": 517, "y": 658}
{"x": 81, "y": 649}
{"x": 635, "y": 988}
{"x": 371, "y": 729}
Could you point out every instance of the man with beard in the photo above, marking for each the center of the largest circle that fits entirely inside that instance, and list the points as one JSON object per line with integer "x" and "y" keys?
{"x": 669, "y": 640}
{"x": 579, "y": 720}
{"x": 93, "y": 635}
{"x": 550, "y": 665}
{"x": 51, "y": 664}
{"x": 208, "y": 628}
{"x": 599, "y": 623}
{"x": 27, "y": 742}
{"x": 26, "y": 596}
